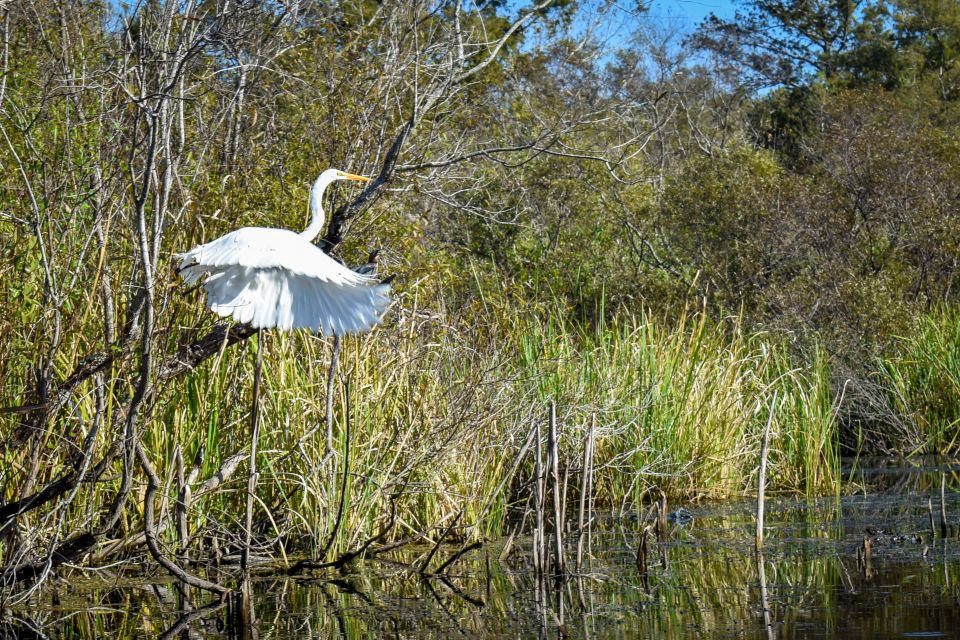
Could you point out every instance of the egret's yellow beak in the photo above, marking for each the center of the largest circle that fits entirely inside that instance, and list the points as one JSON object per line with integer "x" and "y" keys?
{"x": 353, "y": 176}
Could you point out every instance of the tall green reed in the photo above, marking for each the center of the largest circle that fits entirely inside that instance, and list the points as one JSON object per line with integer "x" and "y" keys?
{"x": 922, "y": 380}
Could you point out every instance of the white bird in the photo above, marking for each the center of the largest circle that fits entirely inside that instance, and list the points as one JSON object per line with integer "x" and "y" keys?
{"x": 278, "y": 278}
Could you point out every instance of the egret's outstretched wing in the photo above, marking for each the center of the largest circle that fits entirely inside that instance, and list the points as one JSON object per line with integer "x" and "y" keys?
{"x": 262, "y": 247}
{"x": 273, "y": 297}
{"x": 273, "y": 278}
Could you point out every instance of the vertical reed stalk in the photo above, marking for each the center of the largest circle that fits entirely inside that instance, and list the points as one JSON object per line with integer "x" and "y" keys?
{"x": 252, "y": 467}
{"x": 331, "y": 377}
{"x": 179, "y": 507}
{"x": 538, "y": 541}
{"x": 865, "y": 557}
{"x": 553, "y": 446}
{"x": 591, "y": 442}
{"x": 584, "y": 490}
{"x": 563, "y": 499}
{"x": 762, "y": 482}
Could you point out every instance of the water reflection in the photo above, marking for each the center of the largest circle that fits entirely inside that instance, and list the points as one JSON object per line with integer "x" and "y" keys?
{"x": 814, "y": 579}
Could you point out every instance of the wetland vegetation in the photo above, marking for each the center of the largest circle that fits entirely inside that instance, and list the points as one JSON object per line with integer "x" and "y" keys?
{"x": 703, "y": 581}
{"x": 673, "y": 236}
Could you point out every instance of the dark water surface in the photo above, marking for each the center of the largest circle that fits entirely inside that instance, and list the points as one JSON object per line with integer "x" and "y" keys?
{"x": 710, "y": 587}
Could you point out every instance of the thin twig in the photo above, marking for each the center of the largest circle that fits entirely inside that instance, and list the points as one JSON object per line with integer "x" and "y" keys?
{"x": 436, "y": 545}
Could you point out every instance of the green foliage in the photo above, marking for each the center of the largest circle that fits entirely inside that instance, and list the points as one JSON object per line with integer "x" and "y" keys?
{"x": 718, "y": 218}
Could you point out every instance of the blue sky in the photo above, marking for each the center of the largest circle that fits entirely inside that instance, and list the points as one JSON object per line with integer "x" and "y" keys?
{"x": 690, "y": 11}
{"x": 620, "y": 17}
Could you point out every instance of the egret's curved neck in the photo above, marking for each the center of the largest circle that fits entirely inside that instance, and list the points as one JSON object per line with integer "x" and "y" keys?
{"x": 316, "y": 205}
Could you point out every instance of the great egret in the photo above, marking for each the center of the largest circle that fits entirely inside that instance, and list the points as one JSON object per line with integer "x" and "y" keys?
{"x": 279, "y": 278}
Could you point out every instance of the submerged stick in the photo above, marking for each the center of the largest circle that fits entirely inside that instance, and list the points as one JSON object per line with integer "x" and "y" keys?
{"x": 661, "y": 523}
{"x": 661, "y": 532}
{"x": 762, "y": 482}
{"x": 865, "y": 557}
{"x": 252, "y": 466}
{"x": 642, "y": 552}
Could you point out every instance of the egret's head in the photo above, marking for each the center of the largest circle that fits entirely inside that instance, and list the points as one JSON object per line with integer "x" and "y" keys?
{"x": 324, "y": 180}
{"x": 343, "y": 175}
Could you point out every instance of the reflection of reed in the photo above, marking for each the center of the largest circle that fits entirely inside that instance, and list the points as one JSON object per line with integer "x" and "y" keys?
{"x": 892, "y": 475}
{"x": 705, "y": 589}
{"x": 865, "y": 558}
{"x": 642, "y": 568}
{"x": 764, "y": 602}
{"x": 189, "y": 619}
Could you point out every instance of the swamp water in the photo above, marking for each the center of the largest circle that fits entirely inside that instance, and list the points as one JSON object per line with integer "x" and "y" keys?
{"x": 710, "y": 586}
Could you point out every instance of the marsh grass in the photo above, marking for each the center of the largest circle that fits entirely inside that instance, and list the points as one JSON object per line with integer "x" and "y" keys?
{"x": 682, "y": 406}
{"x": 923, "y": 381}
{"x": 442, "y": 400}
{"x": 441, "y": 406}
